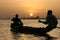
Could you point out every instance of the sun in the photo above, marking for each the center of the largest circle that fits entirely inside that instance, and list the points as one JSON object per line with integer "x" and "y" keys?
{"x": 31, "y": 14}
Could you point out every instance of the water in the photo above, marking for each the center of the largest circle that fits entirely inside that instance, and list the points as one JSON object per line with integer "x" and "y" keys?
{"x": 6, "y": 34}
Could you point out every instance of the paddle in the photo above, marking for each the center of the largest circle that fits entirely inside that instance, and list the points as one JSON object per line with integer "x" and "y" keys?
{"x": 58, "y": 27}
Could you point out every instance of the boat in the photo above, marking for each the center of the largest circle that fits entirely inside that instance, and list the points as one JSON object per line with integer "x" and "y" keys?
{"x": 30, "y": 30}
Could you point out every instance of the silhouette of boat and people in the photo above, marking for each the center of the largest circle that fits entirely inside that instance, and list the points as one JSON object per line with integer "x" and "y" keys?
{"x": 51, "y": 20}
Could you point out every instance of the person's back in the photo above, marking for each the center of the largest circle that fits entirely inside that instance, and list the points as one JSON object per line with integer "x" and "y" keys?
{"x": 51, "y": 20}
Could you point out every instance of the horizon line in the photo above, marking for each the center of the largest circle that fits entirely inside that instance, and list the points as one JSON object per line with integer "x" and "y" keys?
{"x": 30, "y": 18}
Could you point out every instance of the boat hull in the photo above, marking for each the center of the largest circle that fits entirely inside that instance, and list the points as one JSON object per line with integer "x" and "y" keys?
{"x": 28, "y": 30}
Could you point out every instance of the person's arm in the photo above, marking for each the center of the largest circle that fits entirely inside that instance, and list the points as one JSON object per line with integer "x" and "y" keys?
{"x": 44, "y": 22}
{"x": 21, "y": 22}
{"x": 12, "y": 19}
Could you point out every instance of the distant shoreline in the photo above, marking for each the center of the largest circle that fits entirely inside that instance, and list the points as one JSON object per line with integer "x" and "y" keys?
{"x": 24, "y": 18}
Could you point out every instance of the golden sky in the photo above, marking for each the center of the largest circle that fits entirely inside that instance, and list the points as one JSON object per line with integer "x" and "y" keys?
{"x": 8, "y": 8}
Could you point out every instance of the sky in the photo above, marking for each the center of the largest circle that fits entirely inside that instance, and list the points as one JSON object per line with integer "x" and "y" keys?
{"x": 26, "y": 8}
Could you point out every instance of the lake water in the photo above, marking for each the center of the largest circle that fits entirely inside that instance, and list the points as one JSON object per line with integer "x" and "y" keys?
{"x": 6, "y": 34}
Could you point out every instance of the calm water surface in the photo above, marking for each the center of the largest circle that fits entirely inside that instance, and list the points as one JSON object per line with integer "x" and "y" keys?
{"x": 6, "y": 34}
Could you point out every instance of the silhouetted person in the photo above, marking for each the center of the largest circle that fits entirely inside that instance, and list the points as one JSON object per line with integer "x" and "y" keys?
{"x": 51, "y": 20}
{"x": 17, "y": 21}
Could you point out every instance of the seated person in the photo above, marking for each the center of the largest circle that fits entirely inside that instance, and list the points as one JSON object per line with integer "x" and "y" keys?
{"x": 17, "y": 21}
{"x": 51, "y": 20}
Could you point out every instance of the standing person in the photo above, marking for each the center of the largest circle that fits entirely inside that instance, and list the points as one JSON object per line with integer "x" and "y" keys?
{"x": 51, "y": 20}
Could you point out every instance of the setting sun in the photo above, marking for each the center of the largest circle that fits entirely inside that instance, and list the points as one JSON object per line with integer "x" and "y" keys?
{"x": 31, "y": 14}
{"x": 28, "y": 8}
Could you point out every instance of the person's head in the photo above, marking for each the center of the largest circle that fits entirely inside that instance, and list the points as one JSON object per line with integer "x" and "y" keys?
{"x": 49, "y": 12}
{"x": 16, "y": 15}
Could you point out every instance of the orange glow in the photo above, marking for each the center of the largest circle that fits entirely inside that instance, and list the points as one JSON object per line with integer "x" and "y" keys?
{"x": 23, "y": 7}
